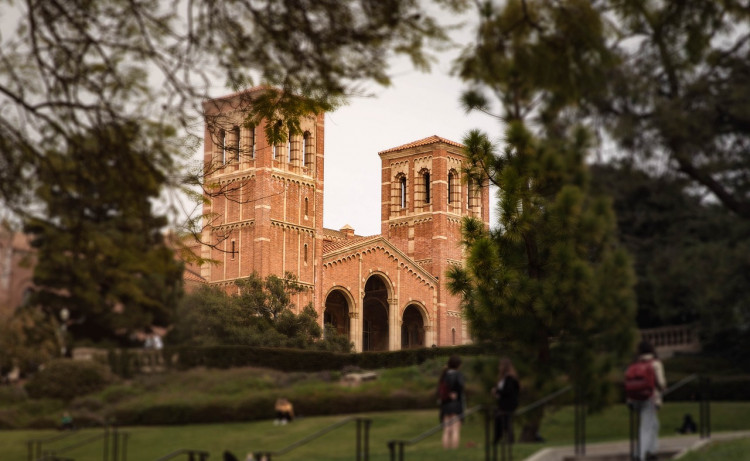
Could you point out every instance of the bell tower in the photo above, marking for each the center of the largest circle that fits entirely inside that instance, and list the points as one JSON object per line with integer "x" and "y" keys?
{"x": 424, "y": 196}
{"x": 264, "y": 212}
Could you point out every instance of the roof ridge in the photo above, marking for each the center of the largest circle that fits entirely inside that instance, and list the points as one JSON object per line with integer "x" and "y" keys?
{"x": 423, "y": 142}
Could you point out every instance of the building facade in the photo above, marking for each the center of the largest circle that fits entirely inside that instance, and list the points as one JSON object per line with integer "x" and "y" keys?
{"x": 17, "y": 261}
{"x": 264, "y": 215}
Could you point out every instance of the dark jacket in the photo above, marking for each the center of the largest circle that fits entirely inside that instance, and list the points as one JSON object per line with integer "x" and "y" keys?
{"x": 455, "y": 381}
{"x": 507, "y": 397}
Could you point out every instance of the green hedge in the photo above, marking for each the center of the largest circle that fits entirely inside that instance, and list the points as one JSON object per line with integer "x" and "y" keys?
{"x": 304, "y": 360}
{"x": 66, "y": 379}
{"x": 261, "y": 407}
{"x": 719, "y": 389}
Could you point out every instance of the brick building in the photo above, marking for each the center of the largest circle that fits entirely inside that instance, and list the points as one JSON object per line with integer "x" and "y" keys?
{"x": 16, "y": 269}
{"x": 265, "y": 215}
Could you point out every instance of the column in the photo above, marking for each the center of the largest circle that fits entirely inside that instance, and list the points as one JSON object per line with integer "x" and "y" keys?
{"x": 355, "y": 331}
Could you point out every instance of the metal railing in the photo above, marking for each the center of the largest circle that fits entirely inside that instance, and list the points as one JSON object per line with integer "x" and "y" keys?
{"x": 396, "y": 447}
{"x": 506, "y": 442}
{"x": 362, "y": 450}
{"x": 117, "y": 449}
{"x": 192, "y": 455}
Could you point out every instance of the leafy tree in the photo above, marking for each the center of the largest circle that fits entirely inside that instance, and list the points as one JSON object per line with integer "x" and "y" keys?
{"x": 261, "y": 313}
{"x": 689, "y": 254}
{"x": 549, "y": 283}
{"x": 73, "y": 67}
{"x": 101, "y": 251}
{"x": 668, "y": 82}
{"x": 29, "y": 338}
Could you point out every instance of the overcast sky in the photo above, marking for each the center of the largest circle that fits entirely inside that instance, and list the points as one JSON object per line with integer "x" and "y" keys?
{"x": 416, "y": 106}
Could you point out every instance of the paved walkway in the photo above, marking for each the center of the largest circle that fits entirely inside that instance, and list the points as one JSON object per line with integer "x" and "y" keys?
{"x": 620, "y": 450}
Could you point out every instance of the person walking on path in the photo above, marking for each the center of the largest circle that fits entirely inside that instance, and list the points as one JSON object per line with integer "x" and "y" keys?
{"x": 452, "y": 402}
{"x": 506, "y": 393}
{"x": 646, "y": 401}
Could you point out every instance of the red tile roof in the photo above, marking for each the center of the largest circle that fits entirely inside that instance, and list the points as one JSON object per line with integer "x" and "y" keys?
{"x": 339, "y": 244}
{"x": 423, "y": 142}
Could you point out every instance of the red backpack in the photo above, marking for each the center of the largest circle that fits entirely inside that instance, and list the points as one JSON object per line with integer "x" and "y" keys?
{"x": 640, "y": 380}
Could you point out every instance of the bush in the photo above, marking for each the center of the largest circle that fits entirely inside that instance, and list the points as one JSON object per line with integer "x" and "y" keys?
{"x": 718, "y": 389}
{"x": 306, "y": 360}
{"x": 66, "y": 379}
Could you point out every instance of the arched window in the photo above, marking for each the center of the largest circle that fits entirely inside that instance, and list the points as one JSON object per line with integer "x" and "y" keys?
{"x": 223, "y": 146}
{"x": 453, "y": 336}
{"x": 236, "y": 143}
{"x": 252, "y": 141}
{"x": 451, "y": 186}
{"x": 305, "y": 253}
{"x": 233, "y": 251}
{"x": 307, "y": 207}
{"x": 273, "y": 151}
{"x": 426, "y": 180}
{"x": 307, "y": 149}
{"x": 289, "y": 146}
{"x": 402, "y": 196}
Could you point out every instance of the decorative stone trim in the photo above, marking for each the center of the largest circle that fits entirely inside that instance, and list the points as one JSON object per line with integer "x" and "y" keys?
{"x": 233, "y": 226}
{"x": 286, "y": 225}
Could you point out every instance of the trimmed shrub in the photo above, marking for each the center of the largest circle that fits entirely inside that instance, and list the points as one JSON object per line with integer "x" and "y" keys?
{"x": 66, "y": 379}
{"x": 9, "y": 419}
{"x": 306, "y": 360}
{"x": 719, "y": 389}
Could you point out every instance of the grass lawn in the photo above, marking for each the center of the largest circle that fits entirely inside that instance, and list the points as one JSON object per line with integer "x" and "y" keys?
{"x": 734, "y": 450}
{"x": 149, "y": 443}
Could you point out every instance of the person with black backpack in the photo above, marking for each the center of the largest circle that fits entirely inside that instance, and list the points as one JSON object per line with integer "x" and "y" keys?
{"x": 644, "y": 383}
{"x": 452, "y": 402}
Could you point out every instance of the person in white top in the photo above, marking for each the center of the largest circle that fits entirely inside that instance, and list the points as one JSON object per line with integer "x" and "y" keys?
{"x": 648, "y": 433}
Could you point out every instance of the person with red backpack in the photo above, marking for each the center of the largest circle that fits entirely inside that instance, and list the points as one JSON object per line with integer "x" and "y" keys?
{"x": 644, "y": 383}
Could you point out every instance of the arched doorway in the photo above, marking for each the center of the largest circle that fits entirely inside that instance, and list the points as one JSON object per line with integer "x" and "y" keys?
{"x": 336, "y": 313}
{"x": 412, "y": 328}
{"x": 375, "y": 315}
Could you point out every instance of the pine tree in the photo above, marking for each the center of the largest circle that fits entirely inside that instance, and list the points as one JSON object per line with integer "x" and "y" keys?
{"x": 101, "y": 251}
{"x": 549, "y": 282}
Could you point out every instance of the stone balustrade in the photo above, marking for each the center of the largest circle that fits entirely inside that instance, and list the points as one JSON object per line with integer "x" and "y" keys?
{"x": 671, "y": 339}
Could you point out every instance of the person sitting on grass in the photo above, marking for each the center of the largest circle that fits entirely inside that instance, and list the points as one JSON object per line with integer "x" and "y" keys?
{"x": 284, "y": 412}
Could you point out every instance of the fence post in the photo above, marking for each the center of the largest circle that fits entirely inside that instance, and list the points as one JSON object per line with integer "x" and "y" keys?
{"x": 635, "y": 439}
{"x": 580, "y": 422}
{"x": 487, "y": 425}
{"x": 392, "y": 449}
{"x": 358, "y": 445}
{"x": 367, "y": 439}
{"x": 125, "y": 446}
{"x": 115, "y": 448}
{"x": 705, "y": 407}
{"x": 105, "y": 443}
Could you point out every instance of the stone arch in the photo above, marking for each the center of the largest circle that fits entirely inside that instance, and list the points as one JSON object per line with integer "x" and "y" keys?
{"x": 338, "y": 306}
{"x": 413, "y": 326}
{"x": 375, "y": 313}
